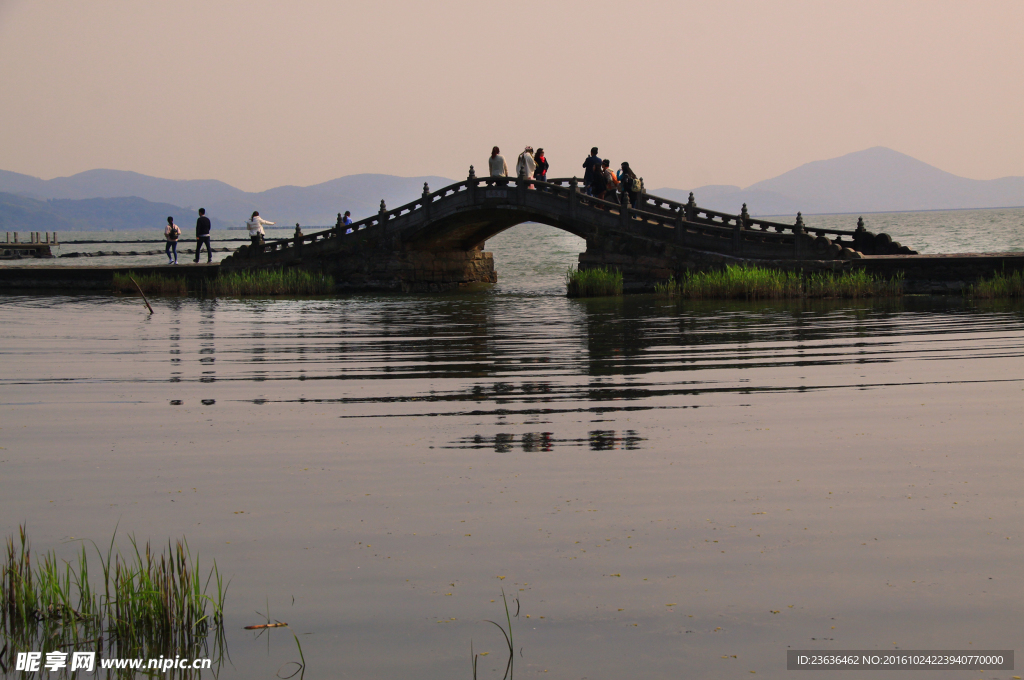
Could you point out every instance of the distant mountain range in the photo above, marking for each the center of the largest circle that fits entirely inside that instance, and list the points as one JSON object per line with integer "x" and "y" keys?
{"x": 873, "y": 180}
{"x": 97, "y": 199}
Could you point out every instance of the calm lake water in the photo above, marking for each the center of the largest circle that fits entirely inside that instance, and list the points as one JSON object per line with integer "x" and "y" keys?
{"x": 670, "y": 490}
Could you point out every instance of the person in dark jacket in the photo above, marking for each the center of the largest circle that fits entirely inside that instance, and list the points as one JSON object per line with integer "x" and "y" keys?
{"x": 591, "y": 167}
{"x": 541, "y": 173}
{"x": 203, "y": 236}
{"x": 627, "y": 181}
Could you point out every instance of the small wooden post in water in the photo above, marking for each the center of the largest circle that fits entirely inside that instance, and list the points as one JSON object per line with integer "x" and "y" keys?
{"x": 141, "y": 293}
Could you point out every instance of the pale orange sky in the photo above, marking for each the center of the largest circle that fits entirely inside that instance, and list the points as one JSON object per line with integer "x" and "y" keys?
{"x": 260, "y": 94}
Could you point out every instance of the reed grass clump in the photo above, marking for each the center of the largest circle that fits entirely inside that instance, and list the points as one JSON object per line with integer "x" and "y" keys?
{"x": 596, "y": 282}
{"x": 271, "y": 282}
{"x": 1001, "y": 285}
{"x": 743, "y": 282}
{"x": 230, "y": 284}
{"x": 144, "y": 604}
{"x": 151, "y": 284}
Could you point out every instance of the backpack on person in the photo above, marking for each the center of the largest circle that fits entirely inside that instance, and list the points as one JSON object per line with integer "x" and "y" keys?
{"x": 637, "y": 185}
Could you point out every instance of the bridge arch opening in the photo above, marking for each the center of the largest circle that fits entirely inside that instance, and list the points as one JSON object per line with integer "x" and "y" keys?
{"x": 532, "y": 258}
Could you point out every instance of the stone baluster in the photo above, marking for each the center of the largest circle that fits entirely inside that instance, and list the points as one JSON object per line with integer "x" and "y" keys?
{"x": 624, "y": 210}
{"x": 426, "y": 201}
{"x": 471, "y": 183}
{"x": 744, "y": 218}
{"x": 382, "y": 215}
{"x": 737, "y": 237}
{"x": 680, "y": 210}
{"x": 798, "y": 236}
{"x": 691, "y": 208}
{"x": 574, "y": 190}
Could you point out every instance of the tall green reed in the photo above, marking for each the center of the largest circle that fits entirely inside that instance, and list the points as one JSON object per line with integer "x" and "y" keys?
{"x": 148, "y": 604}
{"x": 746, "y": 282}
{"x": 1001, "y": 285}
{"x": 595, "y": 282}
{"x": 230, "y": 284}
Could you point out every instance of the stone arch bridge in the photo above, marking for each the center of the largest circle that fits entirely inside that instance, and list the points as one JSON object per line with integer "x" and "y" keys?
{"x": 436, "y": 242}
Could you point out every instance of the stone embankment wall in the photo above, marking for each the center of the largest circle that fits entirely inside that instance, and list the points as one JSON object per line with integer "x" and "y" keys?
{"x": 644, "y": 264}
{"x": 413, "y": 271}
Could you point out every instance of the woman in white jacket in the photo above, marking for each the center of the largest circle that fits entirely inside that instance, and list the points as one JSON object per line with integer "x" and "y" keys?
{"x": 526, "y": 164}
{"x": 255, "y": 227}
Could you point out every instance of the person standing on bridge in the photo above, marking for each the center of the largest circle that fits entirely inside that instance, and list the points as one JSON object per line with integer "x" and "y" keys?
{"x": 611, "y": 182}
{"x": 599, "y": 183}
{"x": 631, "y": 185}
{"x": 541, "y": 173}
{"x": 255, "y": 227}
{"x": 203, "y": 236}
{"x": 496, "y": 164}
{"x": 591, "y": 167}
{"x": 526, "y": 165}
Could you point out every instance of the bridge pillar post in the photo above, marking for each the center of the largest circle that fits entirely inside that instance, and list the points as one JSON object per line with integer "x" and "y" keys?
{"x": 382, "y": 217}
{"x": 426, "y": 201}
{"x": 624, "y": 210}
{"x": 471, "y": 184}
{"x": 798, "y": 236}
{"x": 691, "y": 208}
{"x": 737, "y": 236}
{"x": 574, "y": 190}
{"x": 679, "y": 224}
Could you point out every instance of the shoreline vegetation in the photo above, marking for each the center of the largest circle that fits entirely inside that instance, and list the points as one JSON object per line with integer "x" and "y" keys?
{"x": 738, "y": 282}
{"x": 596, "y": 282}
{"x": 999, "y": 286}
{"x": 231, "y": 284}
{"x": 144, "y": 604}
{"x": 741, "y": 282}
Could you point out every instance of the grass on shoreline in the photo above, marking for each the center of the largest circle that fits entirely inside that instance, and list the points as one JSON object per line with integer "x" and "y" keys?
{"x": 999, "y": 286}
{"x": 757, "y": 283}
{"x": 597, "y": 282}
{"x": 146, "y": 604}
{"x": 231, "y": 284}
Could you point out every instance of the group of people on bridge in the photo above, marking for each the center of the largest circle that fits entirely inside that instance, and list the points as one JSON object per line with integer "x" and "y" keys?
{"x": 599, "y": 180}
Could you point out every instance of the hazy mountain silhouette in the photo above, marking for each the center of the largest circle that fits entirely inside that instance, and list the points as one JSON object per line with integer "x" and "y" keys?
{"x": 314, "y": 205}
{"x": 873, "y": 180}
{"x": 20, "y": 213}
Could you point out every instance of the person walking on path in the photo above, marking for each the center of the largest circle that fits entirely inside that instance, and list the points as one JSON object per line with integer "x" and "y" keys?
{"x": 591, "y": 167}
{"x": 255, "y": 227}
{"x": 541, "y": 173}
{"x": 171, "y": 233}
{"x": 526, "y": 165}
{"x": 496, "y": 164}
{"x": 203, "y": 236}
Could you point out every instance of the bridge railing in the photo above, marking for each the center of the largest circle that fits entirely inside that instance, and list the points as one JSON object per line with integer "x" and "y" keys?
{"x": 650, "y": 211}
